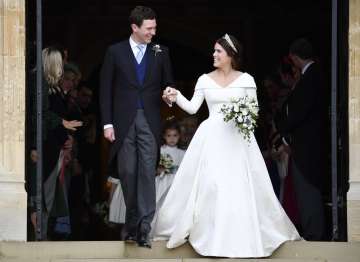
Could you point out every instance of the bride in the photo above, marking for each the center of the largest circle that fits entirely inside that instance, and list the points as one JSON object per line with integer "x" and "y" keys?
{"x": 222, "y": 200}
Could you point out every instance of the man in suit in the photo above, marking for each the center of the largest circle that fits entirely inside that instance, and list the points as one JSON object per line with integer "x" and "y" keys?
{"x": 303, "y": 126}
{"x": 133, "y": 75}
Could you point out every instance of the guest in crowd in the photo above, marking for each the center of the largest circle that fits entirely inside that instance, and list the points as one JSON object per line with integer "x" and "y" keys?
{"x": 57, "y": 144}
{"x": 304, "y": 129}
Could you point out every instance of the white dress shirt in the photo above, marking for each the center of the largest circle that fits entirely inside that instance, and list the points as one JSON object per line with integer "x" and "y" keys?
{"x": 134, "y": 47}
{"x": 306, "y": 67}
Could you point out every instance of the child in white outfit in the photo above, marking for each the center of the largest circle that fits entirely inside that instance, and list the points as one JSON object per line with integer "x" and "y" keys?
{"x": 170, "y": 159}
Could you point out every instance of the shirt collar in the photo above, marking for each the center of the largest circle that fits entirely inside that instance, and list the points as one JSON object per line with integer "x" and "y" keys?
{"x": 133, "y": 44}
{"x": 306, "y": 67}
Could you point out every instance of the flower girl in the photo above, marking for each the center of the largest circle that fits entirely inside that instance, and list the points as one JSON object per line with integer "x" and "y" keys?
{"x": 170, "y": 159}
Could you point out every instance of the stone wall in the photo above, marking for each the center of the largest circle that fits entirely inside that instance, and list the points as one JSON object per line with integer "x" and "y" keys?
{"x": 354, "y": 122}
{"x": 13, "y": 202}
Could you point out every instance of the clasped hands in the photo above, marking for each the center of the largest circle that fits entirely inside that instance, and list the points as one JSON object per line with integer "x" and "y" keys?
{"x": 169, "y": 95}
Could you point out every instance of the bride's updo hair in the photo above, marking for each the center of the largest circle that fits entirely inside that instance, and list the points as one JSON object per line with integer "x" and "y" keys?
{"x": 236, "y": 57}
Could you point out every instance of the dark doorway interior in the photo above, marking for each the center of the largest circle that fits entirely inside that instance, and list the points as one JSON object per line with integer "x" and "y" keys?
{"x": 189, "y": 28}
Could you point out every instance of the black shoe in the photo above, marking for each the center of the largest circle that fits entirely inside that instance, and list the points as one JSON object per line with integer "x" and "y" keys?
{"x": 130, "y": 238}
{"x": 144, "y": 240}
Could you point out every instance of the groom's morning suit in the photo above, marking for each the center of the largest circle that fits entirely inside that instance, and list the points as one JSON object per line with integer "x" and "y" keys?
{"x": 305, "y": 127}
{"x": 130, "y": 98}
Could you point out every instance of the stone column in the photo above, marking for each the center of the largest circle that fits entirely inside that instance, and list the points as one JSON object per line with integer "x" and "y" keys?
{"x": 13, "y": 200}
{"x": 353, "y": 196}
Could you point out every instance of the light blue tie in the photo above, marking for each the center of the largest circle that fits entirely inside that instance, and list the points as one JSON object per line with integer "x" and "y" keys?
{"x": 140, "y": 53}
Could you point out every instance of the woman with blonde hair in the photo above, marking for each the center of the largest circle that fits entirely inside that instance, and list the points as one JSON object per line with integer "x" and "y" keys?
{"x": 52, "y": 65}
{"x": 57, "y": 142}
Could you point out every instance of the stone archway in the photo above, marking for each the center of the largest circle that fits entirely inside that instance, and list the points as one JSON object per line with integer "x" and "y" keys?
{"x": 13, "y": 204}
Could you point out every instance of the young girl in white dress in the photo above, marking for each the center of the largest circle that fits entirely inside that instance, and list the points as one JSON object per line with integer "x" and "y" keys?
{"x": 170, "y": 156}
{"x": 221, "y": 199}
{"x": 170, "y": 159}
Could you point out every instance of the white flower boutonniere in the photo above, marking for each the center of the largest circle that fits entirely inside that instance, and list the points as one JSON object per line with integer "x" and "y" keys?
{"x": 157, "y": 49}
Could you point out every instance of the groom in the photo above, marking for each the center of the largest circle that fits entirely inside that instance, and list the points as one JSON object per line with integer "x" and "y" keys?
{"x": 133, "y": 74}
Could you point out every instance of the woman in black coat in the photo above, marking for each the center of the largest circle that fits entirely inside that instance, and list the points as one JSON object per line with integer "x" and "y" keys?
{"x": 56, "y": 139}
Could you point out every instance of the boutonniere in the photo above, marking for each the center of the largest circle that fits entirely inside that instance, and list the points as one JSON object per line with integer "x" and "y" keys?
{"x": 156, "y": 49}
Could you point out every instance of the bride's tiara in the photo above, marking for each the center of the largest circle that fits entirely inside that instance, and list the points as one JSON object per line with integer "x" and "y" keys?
{"x": 228, "y": 39}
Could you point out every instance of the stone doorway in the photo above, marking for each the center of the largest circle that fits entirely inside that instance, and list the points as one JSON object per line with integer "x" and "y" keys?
{"x": 86, "y": 29}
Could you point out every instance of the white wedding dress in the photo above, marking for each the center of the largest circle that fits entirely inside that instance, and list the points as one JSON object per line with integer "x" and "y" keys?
{"x": 221, "y": 199}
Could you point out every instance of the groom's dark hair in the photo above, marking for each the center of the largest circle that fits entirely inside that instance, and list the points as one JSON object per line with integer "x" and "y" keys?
{"x": 141, "y": 13}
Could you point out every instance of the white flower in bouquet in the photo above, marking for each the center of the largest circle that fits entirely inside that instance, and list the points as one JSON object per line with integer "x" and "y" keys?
{"x": 239, "y": 118}
{"x": 236, "y": 108}
{"x": 243, "y": 112}
{"x": 166, "y": 162}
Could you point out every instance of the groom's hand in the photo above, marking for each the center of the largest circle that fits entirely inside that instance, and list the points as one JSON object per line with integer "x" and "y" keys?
{"x": 166, "y": 96}
{"x": 169, "y": 95}
{"x": 109, "y": 134}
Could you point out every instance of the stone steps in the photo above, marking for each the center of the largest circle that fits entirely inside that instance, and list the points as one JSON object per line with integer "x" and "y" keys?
{"x": 173, "y": 260}
{"x": 117, "y": 251}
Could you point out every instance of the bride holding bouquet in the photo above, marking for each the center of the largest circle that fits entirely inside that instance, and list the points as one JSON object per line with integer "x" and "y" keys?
{"x": 221, "y": 199}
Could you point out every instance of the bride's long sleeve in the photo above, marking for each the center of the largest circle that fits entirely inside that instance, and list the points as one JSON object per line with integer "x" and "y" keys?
{"x": 194, "y": 104}
{"x": 251, "y": 90}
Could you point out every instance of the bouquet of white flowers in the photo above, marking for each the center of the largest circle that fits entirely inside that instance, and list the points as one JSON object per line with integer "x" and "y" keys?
{"x": 244, "y": 113}
{"x": 166, "y": 162}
